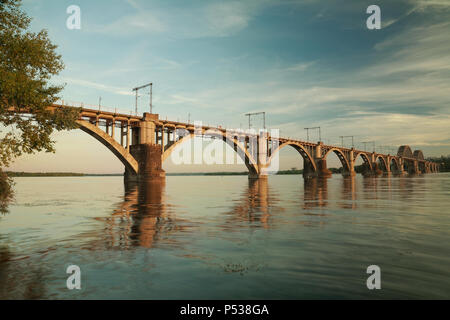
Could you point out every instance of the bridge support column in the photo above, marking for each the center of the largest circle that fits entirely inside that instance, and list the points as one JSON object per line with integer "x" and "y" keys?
{"x": 148, "y": 157}
{"x": 351, "y": 161}
{"x": 322, "y": 168}
{"x": 321, "y": 164}
{"x": 147, "y": 153}
{"x": 416, "y": 167}
{"x": 376, "y": 171}
{"x": 401, "y": 170}
{"x": 308, "y": 170}
{"x": 262, "y": 156}
{"x": 388, "y": 166}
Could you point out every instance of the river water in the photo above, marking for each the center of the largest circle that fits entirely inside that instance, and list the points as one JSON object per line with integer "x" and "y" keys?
{"x": 223, "y": 237}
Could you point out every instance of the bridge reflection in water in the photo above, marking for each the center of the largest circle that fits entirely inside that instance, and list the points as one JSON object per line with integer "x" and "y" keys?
{"x": 141, "y": 218}
{"x": 145, "y": 216}
{"x": 160, "y": 236}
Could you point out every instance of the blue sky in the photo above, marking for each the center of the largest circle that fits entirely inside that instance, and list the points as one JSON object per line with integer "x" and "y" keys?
{"x": 305, "y": 63}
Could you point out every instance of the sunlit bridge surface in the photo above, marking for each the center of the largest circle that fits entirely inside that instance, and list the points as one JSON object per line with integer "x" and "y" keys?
{"x": 208, "y": 237}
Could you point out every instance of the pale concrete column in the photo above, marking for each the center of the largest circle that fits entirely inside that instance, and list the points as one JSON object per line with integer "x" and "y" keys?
{"x": 416, "y": 167}
{"x": 262, "y": 153}
{"x": 318, "y": 151}
{"x": 162, "y": 138}
{"x": 147, "y": 128}
{"x": 121, "y": 133}
{"x": 147, "y": 132}
{"x": 321, "y": 164}
{"x": 388, "y": 164}
{"x": 113, "y": 130}
{"x": 128, "y": 135}
{"x": 351, "y": 162}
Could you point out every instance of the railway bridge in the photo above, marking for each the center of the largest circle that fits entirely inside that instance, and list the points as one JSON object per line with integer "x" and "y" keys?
{"x": 146, "y": 141}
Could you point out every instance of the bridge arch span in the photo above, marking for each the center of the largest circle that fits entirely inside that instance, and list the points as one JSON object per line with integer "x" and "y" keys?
{"x": 418, "y": 154}
{"x": 234, "y": 143}
{"x": 395, "y": 161}
{"x": 307, "y": 158}
{"x": 383, "y": 160}
{"x": 120, "y": 152}
{"x": 365, "y": 158}
{"x": 341, "y": 156}
{"x": 168, "y": 151}
{"x": 405, "y": 151}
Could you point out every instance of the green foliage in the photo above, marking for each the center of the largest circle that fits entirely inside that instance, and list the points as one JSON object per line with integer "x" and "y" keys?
{"x": 6, "y": 192}
{"x": 27, "y": 62}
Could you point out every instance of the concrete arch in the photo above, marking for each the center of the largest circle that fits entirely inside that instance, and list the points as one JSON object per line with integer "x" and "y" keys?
{"x": 120, "y": 152}
{"x": 341, "y": 156}
{"x": 365, "y": 158}
{"x": 418, "y": 154}
{"x": 405, "y": 151}
{"x": 300, "y": 149}
{"x": 248, "y": 159}
{"x": 396, "y": 163}
{"x": 168, "y": 151}
{"x": 383, "y": 160}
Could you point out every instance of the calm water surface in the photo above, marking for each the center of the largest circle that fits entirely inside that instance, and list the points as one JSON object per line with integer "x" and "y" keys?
{"x": 212, "y": 237}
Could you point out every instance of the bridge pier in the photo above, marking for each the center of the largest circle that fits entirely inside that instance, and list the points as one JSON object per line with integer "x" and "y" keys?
{"x": 308, "y": 170}
{"x": 148, "y": 157}
{"x": 322, "y": 169}
{"x": 321, "y": 163}
{"x": 376, "y": 171}
{"x": 147, "y": 153}
{"x": 262, "y": 157}
{"x": 351, "y": 163}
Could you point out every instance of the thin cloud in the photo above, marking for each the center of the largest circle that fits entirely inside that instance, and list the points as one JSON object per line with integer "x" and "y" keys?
{"x": 213, "y": 19}
{"x": 95, "y": 85}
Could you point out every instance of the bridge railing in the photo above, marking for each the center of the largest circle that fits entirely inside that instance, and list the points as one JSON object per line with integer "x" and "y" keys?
{"x": 94, "y": 107}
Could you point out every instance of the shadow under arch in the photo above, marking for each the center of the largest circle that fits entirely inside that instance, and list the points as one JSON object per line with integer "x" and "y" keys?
{"x": 384, "y": 165}
{"x": 341, "y": 156}
{"x": 309, "y": 164}
{"x": 394, "y": 165}
{"x": 366, "y": 160}
{"x": 120, "y": 152}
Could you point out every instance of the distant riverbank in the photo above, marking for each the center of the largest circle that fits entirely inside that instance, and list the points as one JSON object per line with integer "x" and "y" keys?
{"x": 74, "y": 174}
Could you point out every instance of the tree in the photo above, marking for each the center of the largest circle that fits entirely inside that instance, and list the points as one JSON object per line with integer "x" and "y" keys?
{"x": 28, "y": 60}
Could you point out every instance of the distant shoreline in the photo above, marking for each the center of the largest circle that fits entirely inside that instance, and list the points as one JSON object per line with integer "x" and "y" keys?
{"x": 74, "y": 174}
